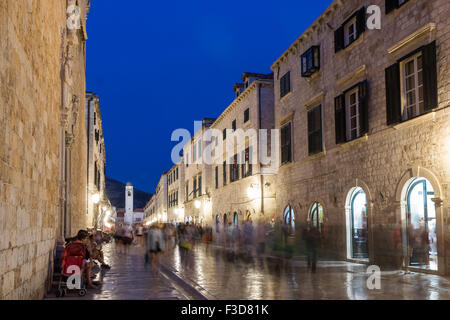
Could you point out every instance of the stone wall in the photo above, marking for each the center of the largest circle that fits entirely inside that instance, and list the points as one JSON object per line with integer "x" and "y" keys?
{"x": 379, "y": 161}
{"x": 32, "y": 50}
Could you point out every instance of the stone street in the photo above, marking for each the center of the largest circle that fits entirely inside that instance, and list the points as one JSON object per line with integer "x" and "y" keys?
{"x": 211, "y": 273}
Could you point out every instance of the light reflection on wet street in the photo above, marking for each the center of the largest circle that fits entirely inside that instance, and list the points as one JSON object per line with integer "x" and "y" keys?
{"x": 226, "y": 277}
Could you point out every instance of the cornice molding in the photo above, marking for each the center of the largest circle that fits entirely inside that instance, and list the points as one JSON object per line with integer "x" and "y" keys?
{"x": 413, "y": 38}
{"x": 307, "y": 33}
{"x": 352, "y": 77}
{"x": 241, "y": 97}
{"x": 314, "y": 100}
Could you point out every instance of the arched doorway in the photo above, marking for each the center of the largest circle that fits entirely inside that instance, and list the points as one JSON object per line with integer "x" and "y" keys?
{"x": 420, "y": 236}
{"x": 289, "y": 218}
{"x": 357, "y": 225}
{"x": 225, "y": 222}
{"x": 235, "y": 219}
{"x": 316, "y": 216}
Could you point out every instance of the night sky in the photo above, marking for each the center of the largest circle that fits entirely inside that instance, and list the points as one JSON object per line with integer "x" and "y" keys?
{"x": 160, "y": 65}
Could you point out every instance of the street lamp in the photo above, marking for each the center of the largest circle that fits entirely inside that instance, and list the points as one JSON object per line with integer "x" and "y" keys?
{"x": 95, "y": 198}
{"x": 197, "y": 204}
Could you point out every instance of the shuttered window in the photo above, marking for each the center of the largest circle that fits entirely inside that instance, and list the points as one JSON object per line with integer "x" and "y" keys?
{"x": 286, "y": 143}
{"x": 391, "y": 5}
{"x": 224, "y": 173}
{"x": 411, "y": 85}
{"x": 246, "y": 115}
{"x": 351, "y": 113}
{"x": 315, "y": 130}
{"x": 350, "y": 30}
{"x": 285, "y": 84}
{"x": 217, "y": 177}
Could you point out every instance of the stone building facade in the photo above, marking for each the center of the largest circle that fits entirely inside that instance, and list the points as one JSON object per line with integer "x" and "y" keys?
{"x": 96, "y": 162}
{"x": 367, "y": 112}
{"x": 175, "y": 193}
{"x": 43, "y": 140}
{"x": 197, "y": 174}
{"x": 240, "y": 189}
{"x": 156, "y": 209}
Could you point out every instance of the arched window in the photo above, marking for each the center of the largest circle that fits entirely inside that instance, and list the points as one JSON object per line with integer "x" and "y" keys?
{"x": 358, "y": 230}
{"x": 421, "y": 222}
{"x": 289, "y": 217}
{"x": 316, "y": 217}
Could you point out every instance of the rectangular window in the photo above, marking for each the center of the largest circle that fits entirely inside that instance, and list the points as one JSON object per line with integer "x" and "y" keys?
{"x": 187, "y": 190}
{"x": 199, "y": 148}
{"x": 315, "y": 130}
{"x": 351, "y": 113}
{"x": 194, "y": 153}
{"x": 233, "y": 125}
{"x": 246, "y": 115}
{"x": 350, "y": 30}
{"x": 224, "y": 132}
{"x": 286, "y": 143}
{"x": 224, "y": 173}
{"x": 391, "y": 5}
{"x": 186, "y": 160}
{"x": 217, "y": 177}
{"x": 411, "y": 85}
{"x": 195, "y": 188}
{"x": 285, "y": 84}
{"x": 199, "y": 185}
{"x": 310, "y": 61}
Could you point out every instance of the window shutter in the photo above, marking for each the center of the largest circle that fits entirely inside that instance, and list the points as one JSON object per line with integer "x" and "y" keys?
{"x": 339, "y": 39}
{"x": 363, "y": 108}
{"x": 361, "y": 21}
{"x": 393, "y": 94}
{"x": 288, "y": 82}
{"x": 430, "y": 76}
{"x": 339, "y": 115}
{"x": 391, "y": 5}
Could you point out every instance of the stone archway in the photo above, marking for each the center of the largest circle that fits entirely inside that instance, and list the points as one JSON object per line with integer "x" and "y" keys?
{"x": 349, "y": 193}
{"x": 401, "y": 209}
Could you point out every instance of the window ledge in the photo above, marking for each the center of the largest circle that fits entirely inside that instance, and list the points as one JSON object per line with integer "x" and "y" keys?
{"x": 351, "y": 78}
{"x": 314, "y": 101}
{"x": 287, "y": 164}
{"x": 353, "y": 44}
{"x": 351, "y": 143}
{"x": 313, "y": 76}
{"x": 414, "y": 121}
{"x": 317, "y": 156}
{"x": 286, "y": 96}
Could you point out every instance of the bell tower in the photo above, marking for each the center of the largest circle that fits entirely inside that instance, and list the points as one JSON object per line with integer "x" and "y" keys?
{"x": 128, "y": 203}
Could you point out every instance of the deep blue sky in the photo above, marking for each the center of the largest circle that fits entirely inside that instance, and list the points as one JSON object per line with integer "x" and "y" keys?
{"x": 160, "y": 65}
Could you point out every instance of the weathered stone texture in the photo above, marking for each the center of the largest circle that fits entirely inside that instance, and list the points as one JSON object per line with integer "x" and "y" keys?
{"x": 380, "y": 160}
{"x": 31, "y": 53}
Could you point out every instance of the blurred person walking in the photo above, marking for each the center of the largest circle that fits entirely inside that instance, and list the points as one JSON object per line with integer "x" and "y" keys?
{"x": 312, "y": 238}
{"x": 155, "y": 246}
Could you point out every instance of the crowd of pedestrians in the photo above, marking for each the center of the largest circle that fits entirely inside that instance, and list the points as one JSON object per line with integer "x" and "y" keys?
{"x": 246, "y": 240}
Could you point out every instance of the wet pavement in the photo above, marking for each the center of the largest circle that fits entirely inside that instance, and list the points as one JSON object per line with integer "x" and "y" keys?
{"x": 226, "y": 277}
{"x": 216, "y": 274}
{"x": 128, "y": 279}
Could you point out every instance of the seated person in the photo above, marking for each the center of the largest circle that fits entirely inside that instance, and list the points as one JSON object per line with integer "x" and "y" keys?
{"x": 96, "y": 252}
{"x": 82, "y": 237}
